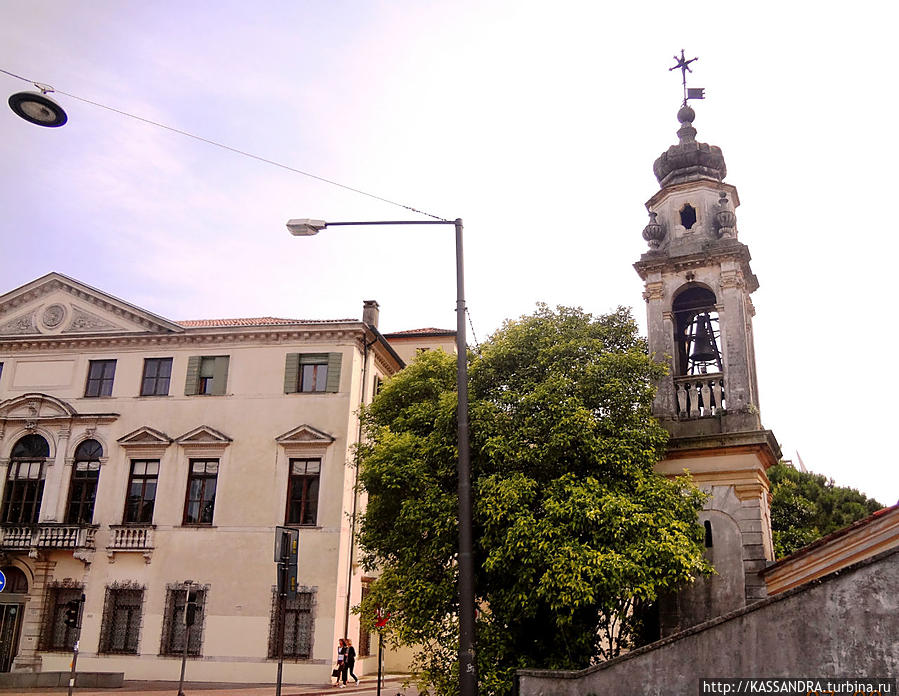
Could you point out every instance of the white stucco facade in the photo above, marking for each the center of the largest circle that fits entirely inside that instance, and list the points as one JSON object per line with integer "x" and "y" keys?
{"x": 270, "y": 428}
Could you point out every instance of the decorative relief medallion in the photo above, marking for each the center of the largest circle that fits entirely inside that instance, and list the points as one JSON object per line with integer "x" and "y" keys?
{"x": 53, "y": 316}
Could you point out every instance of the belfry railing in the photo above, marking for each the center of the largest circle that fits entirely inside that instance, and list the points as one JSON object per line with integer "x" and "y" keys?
{"x": 700, "y": 396}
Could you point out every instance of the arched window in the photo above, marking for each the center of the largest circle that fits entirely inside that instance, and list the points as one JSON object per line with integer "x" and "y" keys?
{"x": 25, "y": 481}
{"x": 83, "y": 488}
{"x": 696, "y": 332}
{"x": 16, "y": 582}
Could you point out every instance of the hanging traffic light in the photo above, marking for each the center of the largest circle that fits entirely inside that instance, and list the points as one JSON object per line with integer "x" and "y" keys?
{"x": 72, "y": 613}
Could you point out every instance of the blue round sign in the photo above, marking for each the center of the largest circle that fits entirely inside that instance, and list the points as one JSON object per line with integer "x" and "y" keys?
{"x": 2, "y": 581}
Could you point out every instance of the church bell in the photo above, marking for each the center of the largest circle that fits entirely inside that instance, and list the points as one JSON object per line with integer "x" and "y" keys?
{"x": 704, "y": 348}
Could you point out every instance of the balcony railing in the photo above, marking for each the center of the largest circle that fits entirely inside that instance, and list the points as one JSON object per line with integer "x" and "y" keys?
{"x": 47, "y": 536}
{"x": 130, "y": 538}
{"x": 700, "y": 396}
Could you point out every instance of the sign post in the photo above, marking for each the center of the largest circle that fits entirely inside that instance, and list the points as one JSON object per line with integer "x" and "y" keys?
{"x": 72, "y": 619}
{"x": 287, "y": 544}
{"x": 190, "y": 612}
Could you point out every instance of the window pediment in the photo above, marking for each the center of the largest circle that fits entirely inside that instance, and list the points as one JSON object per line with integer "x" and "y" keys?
{"x": 304, "y": 436}
{"x": 36, "y": 405}
{"x": 203, "y": 437}
{"x": 145, "y": 437}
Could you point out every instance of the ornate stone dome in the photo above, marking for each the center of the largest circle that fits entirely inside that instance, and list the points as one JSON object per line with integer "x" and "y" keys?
{"x": 689, "y": 160}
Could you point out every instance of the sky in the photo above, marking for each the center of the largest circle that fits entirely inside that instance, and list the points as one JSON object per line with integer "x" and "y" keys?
{"x": 537, "y": 123}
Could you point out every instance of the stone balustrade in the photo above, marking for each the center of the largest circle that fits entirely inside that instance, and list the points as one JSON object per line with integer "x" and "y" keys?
{"x": 47, "y": 536}
{"x": 130, "y": 538}
{"x": 700, "y": 396}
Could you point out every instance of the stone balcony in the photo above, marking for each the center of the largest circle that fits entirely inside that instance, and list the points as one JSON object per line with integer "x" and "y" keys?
{"x": 700, "y": 396}
{"x": 47, "y": 536}
{"x": 130, "y": 538}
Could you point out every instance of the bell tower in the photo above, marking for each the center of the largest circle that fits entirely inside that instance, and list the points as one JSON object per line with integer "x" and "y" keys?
{"x": 698, "y": 283}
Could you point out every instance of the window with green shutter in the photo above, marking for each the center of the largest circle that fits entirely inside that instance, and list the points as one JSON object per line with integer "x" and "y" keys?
{"x": 312, "y": 372}
{"x": 207, "y": 374}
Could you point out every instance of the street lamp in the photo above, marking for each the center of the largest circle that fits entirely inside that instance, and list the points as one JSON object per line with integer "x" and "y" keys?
{"x": 468, "y": 682}
{"x": 38, "y": 108}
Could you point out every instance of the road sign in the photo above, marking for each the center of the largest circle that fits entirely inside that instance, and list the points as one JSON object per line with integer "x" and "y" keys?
{"x": 2, "y": 581}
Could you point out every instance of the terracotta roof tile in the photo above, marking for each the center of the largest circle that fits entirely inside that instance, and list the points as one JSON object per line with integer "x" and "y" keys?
{"x": 422, "y": 332}
{"x": 255, "y": 321}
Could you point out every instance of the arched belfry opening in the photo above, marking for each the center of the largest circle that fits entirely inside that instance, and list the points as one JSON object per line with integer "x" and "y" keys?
{"x": 697, "y": 333}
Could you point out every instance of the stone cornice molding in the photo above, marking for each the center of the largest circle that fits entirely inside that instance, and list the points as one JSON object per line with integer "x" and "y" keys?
{"x": 687, "y": 186}
{"x": 199, "y": 337}
{"x": 721, "y": 251}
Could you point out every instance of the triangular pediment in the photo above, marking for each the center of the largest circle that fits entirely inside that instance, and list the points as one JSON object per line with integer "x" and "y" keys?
{"x": 203, "y": 435}
{"x": 35, "y": 406}
{"x": 58, "y": 305}
{"x": 145, "y": 437}
{"x": 304, "y": 435}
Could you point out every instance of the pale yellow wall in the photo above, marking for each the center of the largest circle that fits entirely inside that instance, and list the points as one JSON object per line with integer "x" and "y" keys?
{"x": 407, "y": 347}
{"x": 234, "y": 557}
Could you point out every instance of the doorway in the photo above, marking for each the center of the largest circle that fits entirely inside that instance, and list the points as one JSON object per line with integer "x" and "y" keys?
{"x": 12, "y": 608}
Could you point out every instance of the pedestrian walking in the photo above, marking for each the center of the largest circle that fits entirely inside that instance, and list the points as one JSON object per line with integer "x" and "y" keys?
{"x": 340, "y": 670}
{"x": 350, "y": 661}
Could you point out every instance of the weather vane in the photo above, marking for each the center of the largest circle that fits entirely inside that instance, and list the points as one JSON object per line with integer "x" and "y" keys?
{"x": 684, "y": 66}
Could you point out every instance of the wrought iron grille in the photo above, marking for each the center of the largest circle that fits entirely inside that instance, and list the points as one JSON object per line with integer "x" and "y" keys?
{"x": 297, "y": 626}
{"x": 120, "y": 628}
{"x": 173, "y": 628}
{"x": 55, "y": 635}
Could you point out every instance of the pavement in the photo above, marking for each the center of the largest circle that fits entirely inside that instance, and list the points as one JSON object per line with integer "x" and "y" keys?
{"x": 390, "y": 686}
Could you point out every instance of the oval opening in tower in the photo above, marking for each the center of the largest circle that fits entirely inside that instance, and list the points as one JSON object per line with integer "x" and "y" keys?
{"x": 708, "y": 534}
{"x": 688, "y": 216}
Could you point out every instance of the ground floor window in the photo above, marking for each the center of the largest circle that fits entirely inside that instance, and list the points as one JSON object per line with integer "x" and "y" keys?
{"x": 364, "y": 635}
{"x": 173, "y": 627}
{"x": 55, "y": 635}
{"x": 297, "y": 626}
{"x": 120, "y": 627}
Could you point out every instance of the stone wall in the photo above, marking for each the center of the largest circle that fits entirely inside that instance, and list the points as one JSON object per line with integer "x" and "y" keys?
{"x": 842, "y": 625}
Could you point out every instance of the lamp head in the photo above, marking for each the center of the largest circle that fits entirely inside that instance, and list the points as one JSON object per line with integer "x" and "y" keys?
{"x": 304, "y": 227}
{"x": 38, "y": 108}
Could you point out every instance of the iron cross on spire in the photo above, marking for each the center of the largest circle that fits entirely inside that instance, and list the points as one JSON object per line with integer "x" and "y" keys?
{"x": 683, "y": 64}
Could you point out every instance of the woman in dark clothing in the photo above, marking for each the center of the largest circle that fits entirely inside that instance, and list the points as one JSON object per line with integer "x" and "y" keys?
{"x": 349, "y": 661}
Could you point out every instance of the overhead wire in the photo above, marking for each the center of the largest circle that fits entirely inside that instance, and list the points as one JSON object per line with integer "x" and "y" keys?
{"x": 235, "y": 150}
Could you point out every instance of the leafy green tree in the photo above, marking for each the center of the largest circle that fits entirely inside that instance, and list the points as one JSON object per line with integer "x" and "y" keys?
{"x": 806, "y": 506}
{"x": 572, "y": 526}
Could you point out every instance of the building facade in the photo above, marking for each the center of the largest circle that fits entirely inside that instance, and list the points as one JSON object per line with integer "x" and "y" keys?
{"x": 139, "y": 453}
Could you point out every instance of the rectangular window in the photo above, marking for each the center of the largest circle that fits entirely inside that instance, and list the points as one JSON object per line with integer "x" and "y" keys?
{"x": 100, "y": 375}
{"x": 365, "y": 636}
{"x": 141, "y": 491}
{"x": 157, "y": 375}
{"x": 201, "y": 485}
{"x": 120, "y": 627}
{"x": 24, "y": 491}
{"x": 297, "y": 627}
{"x": 83, "y": 492}
{"x": 173, "y": 626}
{"x": 302, "y": 491}
{"x": 207, "y": 374}
{"x": 55, "y": 635}
{"x": 312, "y": 372}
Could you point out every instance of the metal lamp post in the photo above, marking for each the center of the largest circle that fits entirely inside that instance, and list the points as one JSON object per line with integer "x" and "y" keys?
{"x": 468, "y": 681}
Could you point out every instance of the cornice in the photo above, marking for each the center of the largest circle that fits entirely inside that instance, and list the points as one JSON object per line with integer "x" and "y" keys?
{"x": 60, "y": 343}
